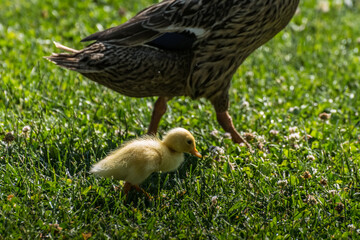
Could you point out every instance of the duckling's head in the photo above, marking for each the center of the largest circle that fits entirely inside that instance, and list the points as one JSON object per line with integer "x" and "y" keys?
{"x": 181, "y": 140}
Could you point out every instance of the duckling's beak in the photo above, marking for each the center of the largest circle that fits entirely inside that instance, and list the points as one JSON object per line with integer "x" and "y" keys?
{"x": 196, "y": 153}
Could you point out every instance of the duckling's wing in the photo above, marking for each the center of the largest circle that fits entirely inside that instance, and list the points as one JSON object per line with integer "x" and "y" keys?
{"x": 134, "y": 162}
{"x": 171, "y": 16}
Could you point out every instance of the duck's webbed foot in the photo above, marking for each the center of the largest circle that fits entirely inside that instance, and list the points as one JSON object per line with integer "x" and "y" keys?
{"x": 159, "y": 110}
{"x": 225, "y": 121}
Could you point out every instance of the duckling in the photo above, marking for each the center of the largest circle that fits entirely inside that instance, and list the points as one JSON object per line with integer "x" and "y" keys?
{"x": 137, "y": 159}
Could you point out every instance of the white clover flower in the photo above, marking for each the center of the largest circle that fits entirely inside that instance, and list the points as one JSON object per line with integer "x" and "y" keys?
{"x": 261, "y": 138}
{"x": 216, "y": 150}
{"x": 333, "y": 192}
{"x": 245, "y": 104}
{"x": 249, "y": 74}
{"x": 310, "y": 157}
{"x": 242, "y": 144}
{"x": 214, "y": 133}
{"x": 294, "y": 109}
{"x": 282, "y": 183}
{"x": 351, "y": 227}
{"x": 227, "y": 135}
{"x": 348, "y": 3}
{"x": 311, "y": 200}
{"x": 274, "y": 132}
{"x": 294, "y": 136}
{"x": 26, "y": 129}
{"x": 293, "y": 129}
{"x": 324, "y": 6}
{"x": 214, "y": 200}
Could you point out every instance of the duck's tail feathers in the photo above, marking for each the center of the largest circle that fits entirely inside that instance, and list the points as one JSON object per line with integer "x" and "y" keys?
{"x": 73, "y": 59}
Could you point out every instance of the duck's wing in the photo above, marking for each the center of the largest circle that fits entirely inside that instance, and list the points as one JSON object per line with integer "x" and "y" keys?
{"x": 167, "y": 21}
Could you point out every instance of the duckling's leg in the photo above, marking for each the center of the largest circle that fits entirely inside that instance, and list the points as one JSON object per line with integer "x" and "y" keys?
{"x": 127, "y": 187}
{"x": 159, "y": 110}
{"x": 226, "y": 123}
{"x": 141, "y": 190}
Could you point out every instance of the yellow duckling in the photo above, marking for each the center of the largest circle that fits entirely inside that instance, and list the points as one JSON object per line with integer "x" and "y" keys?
{"x": 137, "y": 159}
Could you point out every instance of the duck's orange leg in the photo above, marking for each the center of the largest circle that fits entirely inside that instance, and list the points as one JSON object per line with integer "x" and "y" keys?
{"x": 159, "y": 110}
{"x": 226, "y": 123}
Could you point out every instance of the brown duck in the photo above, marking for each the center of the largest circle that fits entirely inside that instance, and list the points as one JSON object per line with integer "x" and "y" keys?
{"x": 180, "y": 48}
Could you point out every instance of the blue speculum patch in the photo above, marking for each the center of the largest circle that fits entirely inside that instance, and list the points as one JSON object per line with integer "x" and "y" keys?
{"x": 174, "y": 41}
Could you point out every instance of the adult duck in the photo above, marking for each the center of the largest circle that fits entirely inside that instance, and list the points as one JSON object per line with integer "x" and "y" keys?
{"x": 180, "y": 48}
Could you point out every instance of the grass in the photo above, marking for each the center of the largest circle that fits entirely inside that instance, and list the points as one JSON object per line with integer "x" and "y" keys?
{"x": 292, "y": 186}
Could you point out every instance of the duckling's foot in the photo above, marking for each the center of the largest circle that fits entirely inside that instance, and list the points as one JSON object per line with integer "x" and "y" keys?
{"x": 226, "y": 123}
{"x": 128, "y": 186}
{"x": 159, "y": 110}
{"x": 141, "y": 190}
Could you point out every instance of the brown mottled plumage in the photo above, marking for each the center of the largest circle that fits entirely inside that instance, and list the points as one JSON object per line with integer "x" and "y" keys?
{"x": 180, "y": 48}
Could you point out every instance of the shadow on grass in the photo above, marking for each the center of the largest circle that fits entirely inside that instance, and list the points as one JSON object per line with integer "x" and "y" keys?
{"x": 108, "y": 194}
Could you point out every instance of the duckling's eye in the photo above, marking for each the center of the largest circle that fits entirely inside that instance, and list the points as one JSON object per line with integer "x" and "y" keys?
{"x": 189, "y": 141}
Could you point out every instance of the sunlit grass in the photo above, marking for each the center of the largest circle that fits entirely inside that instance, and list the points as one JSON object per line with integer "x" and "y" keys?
{"x": 302, "y": 181}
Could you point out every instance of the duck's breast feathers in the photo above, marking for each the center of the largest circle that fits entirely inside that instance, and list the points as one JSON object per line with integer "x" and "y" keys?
{"x": 172, "y": 16}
